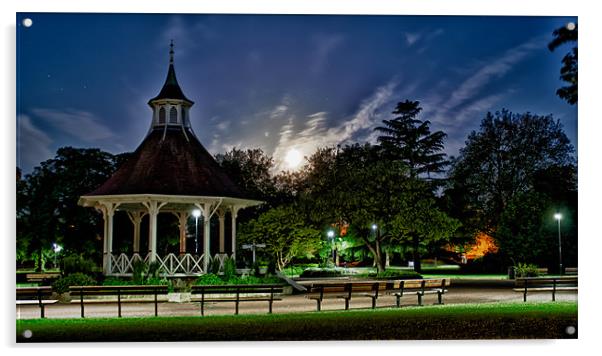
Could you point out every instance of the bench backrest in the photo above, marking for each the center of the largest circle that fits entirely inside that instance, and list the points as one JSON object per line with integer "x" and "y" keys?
{"x": 239, "y": 288}
{"x": 114, "y": 290}
{"x": 422, "y": 283}
{"x": 349, "y": 288}
{"x": 570, "y": 270}
{"x": 33, "y": 293}
{"x": 546, "y": 282}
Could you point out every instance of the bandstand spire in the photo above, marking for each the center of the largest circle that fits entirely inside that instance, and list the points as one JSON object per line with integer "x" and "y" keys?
{"x": 170, "y": 106}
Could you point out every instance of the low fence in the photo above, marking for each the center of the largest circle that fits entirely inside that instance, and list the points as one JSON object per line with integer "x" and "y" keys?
{"x": 170, "y": 265}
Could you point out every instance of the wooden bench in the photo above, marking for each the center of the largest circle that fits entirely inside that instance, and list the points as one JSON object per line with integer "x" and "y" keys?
{"x": 41, "y": 277}
{"x": 571, "y": 271}
{"x": 545, "y": 284}
{"x": 35, "y": 295}
{"x": 84, "y": 291}
{"x": 237, "y": 294}
{"x": 346, "y": 291}
{"x": 420, "y": 287}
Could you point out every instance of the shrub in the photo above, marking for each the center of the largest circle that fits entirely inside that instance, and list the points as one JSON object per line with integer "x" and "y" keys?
{"x": 75, "y": 263}
{"x": 154, "y": 268}
{"x": 214, "y": 266}
{"x": 255, "y": 269}
{"x": 139, "y": 269}
{"x": 112, "y": 281}
{"x": 321, "y": 272}
{"x": 209, "y": 279}
{"x": 229, "y": 268}
{"x": 271, "y": 267}
{"x": 398, "y": 274}
{"x": 62, "y": 284}
{"x": 254, "y": 280}
{"x": 526, "y": 270}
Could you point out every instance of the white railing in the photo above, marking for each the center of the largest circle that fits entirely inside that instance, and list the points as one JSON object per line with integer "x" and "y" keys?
{"x": 170, "y": 265}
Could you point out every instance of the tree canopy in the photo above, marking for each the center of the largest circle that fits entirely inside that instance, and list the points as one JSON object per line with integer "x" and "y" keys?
{"x": 504, "y": 158}
{"x": 47, "y": 209}
{"x": 285, "y": 232}
{"x": 569, "y": 70}
{"x": 410, "y": 140}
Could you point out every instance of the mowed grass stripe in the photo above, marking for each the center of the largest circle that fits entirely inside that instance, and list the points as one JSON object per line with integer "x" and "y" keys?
{"x": 475, "y": 321}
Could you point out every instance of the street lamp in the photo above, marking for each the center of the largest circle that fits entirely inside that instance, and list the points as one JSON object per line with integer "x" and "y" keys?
{"x": 56, "y": 248}
{"x": 374, "y": 227}
{"x": 196, "y": 213}
{"x": 330, "y": 235}
{"x": 558, "y": 217}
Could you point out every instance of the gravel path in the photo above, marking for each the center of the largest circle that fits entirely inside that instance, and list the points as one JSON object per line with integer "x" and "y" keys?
{"x": 290, "y": 303}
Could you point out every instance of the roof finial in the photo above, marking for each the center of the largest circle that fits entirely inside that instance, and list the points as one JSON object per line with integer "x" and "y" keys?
{"x": 171, "y": 52}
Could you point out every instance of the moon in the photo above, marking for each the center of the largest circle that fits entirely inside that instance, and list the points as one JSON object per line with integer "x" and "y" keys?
{"x": 293, "y": 158}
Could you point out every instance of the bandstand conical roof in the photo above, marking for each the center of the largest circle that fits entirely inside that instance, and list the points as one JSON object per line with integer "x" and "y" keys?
{"x": 171, "y": 163}
{"x": 170, "y": 160}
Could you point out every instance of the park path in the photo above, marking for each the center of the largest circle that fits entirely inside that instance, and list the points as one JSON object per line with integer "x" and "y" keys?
{"x": 290, "y": 303}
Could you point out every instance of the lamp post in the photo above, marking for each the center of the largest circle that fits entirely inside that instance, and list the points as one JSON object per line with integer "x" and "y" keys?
{"x": 56, "y": 248}
{"x": 196, "y": 213}
{"x": 558, "y": 217}
{"x": 330, "y": 235}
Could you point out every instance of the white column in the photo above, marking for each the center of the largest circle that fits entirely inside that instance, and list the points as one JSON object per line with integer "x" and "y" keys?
{"x": 206, "y": 235}
{"x": 182, "y": 220}
{"x": 106, "y": 259}
{"x": 234, "y": 211}
{"x": 108, "y": 210}
{"x": 222, "y": 219}
{"x": 136, "y": 219}
{"x": 153, "y": 207}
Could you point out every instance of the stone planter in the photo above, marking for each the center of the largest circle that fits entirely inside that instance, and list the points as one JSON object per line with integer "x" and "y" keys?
{"x": 180, "y": 297}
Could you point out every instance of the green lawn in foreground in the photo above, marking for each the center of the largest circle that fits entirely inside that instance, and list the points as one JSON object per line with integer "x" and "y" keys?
{"x": 467, "y": 321}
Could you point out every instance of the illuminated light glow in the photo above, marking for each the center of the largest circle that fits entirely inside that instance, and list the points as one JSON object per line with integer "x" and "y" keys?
{"x": 196, "y": 213}
{"x": 293, "y": 158}
{"x": 557, "y": 216}
{"x": 330, "y": 233}
{"x": 374, "y": 226}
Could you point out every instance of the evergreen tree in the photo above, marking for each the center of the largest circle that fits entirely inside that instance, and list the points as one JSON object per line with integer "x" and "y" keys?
{"x": 410, "y": 140}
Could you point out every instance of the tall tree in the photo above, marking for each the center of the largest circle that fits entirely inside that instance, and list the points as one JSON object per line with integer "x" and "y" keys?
{"x": 502, "y": 159}
{"x": 285, "y": 232}
{"x": 568, "y": 71}
{"x": 47, "y": 209}
{"x": 250, "y": 170}
{"x": 410, "y": 140}
{"x": 360, "y": 188}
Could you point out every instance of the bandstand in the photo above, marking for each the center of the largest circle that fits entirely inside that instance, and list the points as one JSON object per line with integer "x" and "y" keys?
{"x": 169, "y": 173}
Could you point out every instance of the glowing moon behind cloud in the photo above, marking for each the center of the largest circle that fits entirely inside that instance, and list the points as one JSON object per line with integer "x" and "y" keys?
{"x": 293, "y": 158}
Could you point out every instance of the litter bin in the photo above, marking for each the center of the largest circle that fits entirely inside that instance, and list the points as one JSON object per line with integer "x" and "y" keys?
{"x": 511, "y": 272}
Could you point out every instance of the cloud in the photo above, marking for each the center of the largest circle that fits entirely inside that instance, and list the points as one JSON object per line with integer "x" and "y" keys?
{"x": 82, "y": 125}
{"x": 492, "y": 70}
{"x": 33, "y": 145}
{"x": 224, "y": 125}
{"x": 315, "y": 132}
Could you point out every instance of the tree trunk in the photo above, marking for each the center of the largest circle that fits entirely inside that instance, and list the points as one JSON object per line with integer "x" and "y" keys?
{"x": 380, "y": 262}
{"x": 40, "y": 261}
{"x": 375, "y": 250}
{"x": 416, "y": 254}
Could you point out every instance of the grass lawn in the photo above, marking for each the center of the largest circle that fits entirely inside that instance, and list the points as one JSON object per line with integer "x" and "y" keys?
{"x": 474, "y": 321}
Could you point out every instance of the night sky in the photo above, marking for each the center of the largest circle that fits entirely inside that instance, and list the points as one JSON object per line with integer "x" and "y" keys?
{"x": 277, "y": 82}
